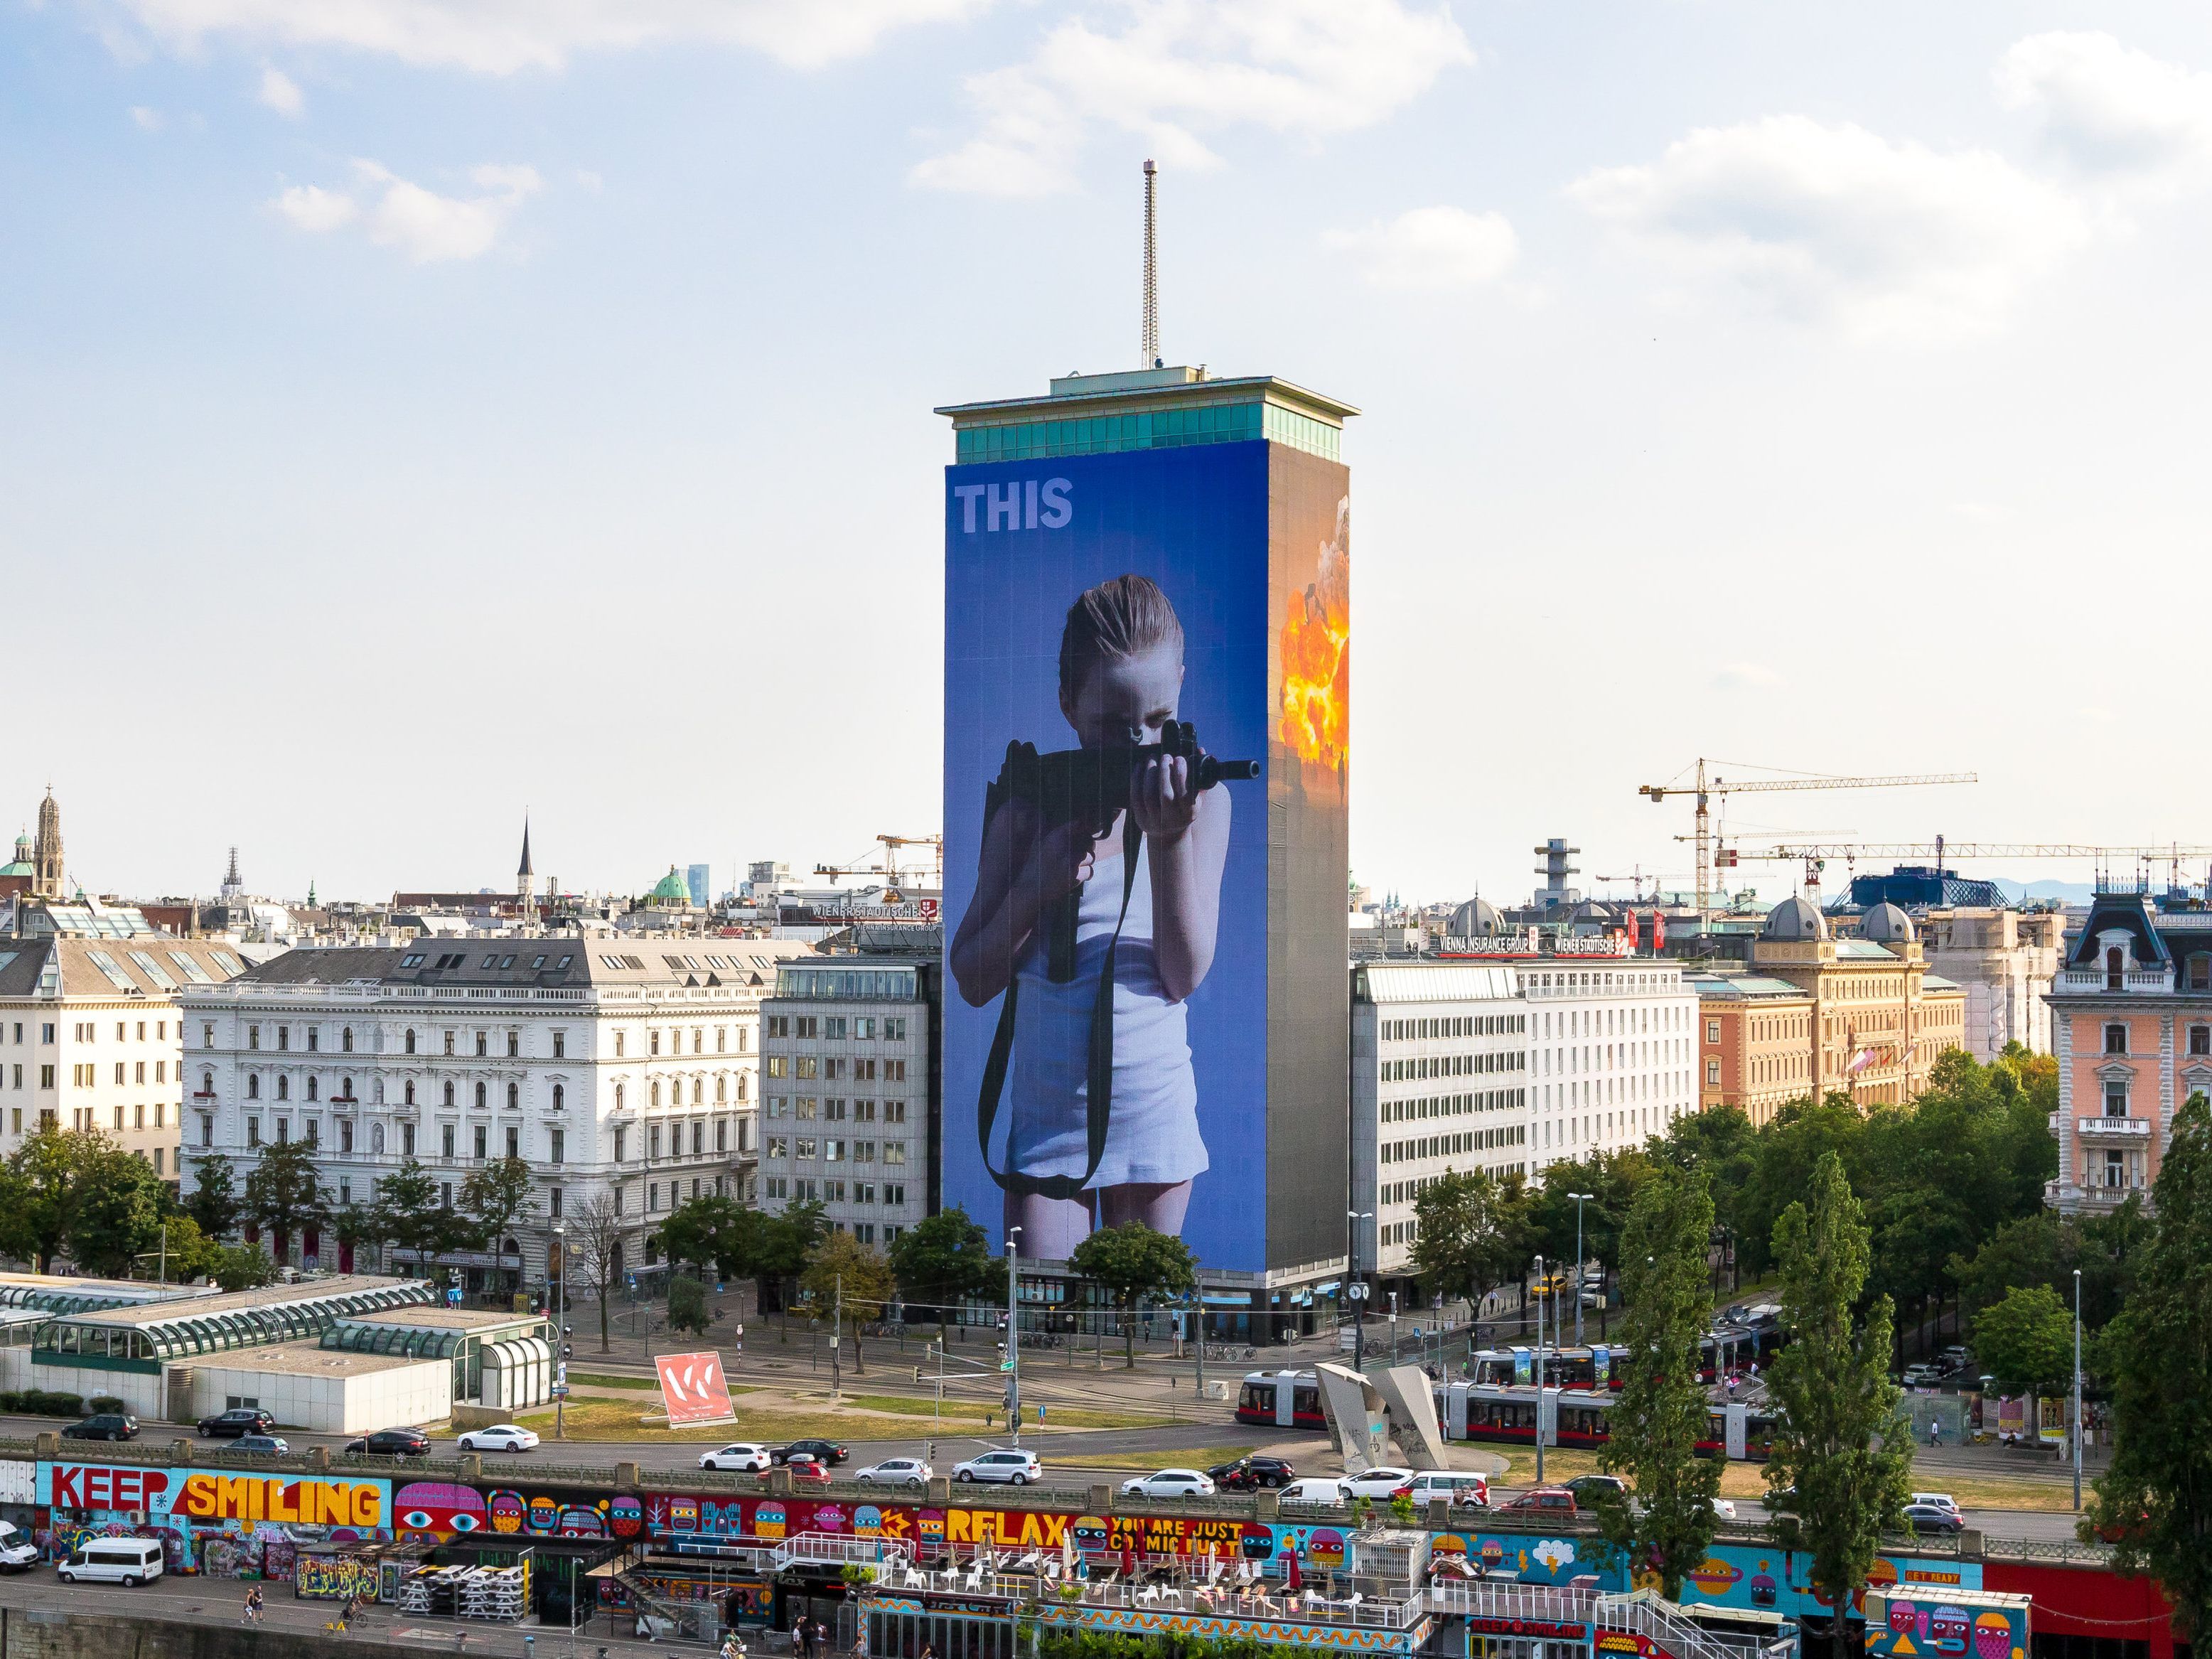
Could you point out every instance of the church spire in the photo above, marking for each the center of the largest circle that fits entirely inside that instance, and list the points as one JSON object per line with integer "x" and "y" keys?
{"x": 525, "y": 901}
{"x": 47, "y": 849}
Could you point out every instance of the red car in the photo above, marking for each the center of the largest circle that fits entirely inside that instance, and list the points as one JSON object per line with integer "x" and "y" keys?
{"x": 807, "y": 1471}
{"x": 1550, "y": 1500}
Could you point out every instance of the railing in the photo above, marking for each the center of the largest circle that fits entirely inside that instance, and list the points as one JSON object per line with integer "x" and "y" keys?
{"x": 1482, "y": 1599}
{"x": 2078, "y": 980}
{"x": 2127, "y": 1128}
{"x": 825, "y": 1548}
{"x": 1644, "y": 1614}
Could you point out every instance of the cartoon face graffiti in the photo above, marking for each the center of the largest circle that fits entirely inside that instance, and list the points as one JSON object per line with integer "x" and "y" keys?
{"x": 1714, "y": 1575}
{"x": 1254, "y": 1541}
{"x": 507, "y": 1512}
{"x": 544, "y": 1515}
{"x": 1493, "y": 1552}
{"x": 1764, "y": 1591}
{"x": 768, "y": 1521}
{"x": 867, "y": 1522}
{"x": 1902, "y": 1615}
{"x": 627, "y": 1517}
{"x": 582, "y": 1522}
{"x": 828, "y": 1517}
{"x": 929, "y": 1526}
{"x": 684, "y": 1515}
{"x": 438, "y": 1509}
{"x": 1947, "y": 1629}
{"x": 1325, "y": 1548}
{"x": 1448, "y": 1543}
{"x": 1992, "y": 1636}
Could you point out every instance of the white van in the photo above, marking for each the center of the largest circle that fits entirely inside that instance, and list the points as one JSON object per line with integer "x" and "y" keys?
{"x": 1314, "y": 1489}
{"x": 112, "y": 1561}
{"x": 1461, "y": 1491}
{"x": 17, "y": 1551}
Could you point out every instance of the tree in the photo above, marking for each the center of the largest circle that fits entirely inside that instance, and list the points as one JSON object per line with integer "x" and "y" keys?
{"x": 1466, "y": 1234}
{"x": 410, "y": 1212}
{"x": 1132, "y": 1262}
{"x": 1660, "y": 1414}
{"x": 241, "y": 1267}
{"x": 46, "y": 1191}
{"x": 184, "y": 1253}
{"x": 282, "y": 1195}
{"x": 2018, "y": 1256}
{"x": 214, "y": 1202}
{"x": 943, "y": 1262}
{"x": 687, "y": 1305}
{"x": 1789, "y": 1146}
{"x": 594, "y": 1251}
{"x": 843, "y": 1266}
{"x": 787, "y": 1245}
{"x": 497, "y": 1196}
{"x": 117, "y": 1214}
{"x": 2027, "y": 1339}
{"x": 2155, "y": 1500}
{"x": 1838, "y": 1441}
{"x": 710, "y": 1233}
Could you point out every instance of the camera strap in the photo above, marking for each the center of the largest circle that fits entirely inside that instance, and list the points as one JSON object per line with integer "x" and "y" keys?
{"x": 1098, "y": 1100}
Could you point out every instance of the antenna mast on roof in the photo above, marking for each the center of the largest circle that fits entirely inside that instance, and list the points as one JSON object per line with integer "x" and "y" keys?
{"x": 1151, "y": 341}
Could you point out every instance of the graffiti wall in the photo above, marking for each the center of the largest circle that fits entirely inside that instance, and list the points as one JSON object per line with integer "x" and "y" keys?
{"x": 333, "y": 1578}
{"x": 1917, "y": 1624}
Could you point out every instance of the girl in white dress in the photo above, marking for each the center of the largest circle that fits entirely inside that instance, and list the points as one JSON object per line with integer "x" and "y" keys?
{"x": 1121, "y": 678}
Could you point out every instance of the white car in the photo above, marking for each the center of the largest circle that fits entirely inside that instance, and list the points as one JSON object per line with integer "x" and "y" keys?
{"x": 896, "y": 1472}
{"x": 1941, "y": 1500}
{"x": 1379, "y": 1484}
{"x": 507, "y": 1437}
{"x": 1316, "y": 1489}
{"x": 1724, "y": 1508}
{"x": 1009, "y": 1466}
{"x": 743, "y": 1456}
{"x": 1169, "y": 1483}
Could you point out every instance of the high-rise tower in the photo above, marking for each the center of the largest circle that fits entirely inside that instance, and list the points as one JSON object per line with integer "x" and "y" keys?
{"x": 46, "y": 850}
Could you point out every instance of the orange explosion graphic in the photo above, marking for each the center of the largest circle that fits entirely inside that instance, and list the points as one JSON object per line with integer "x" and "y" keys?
{"x": 1317, "y": 653}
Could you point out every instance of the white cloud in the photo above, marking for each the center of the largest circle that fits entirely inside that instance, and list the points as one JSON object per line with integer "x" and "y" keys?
{"x": 148, "y": 120}
{"x": 421, "y": 223}
{"x": 281, "y": 92}
{"x": 1744, "y": 677}
{"x": 1837, "y": 225}
{"x": 501, "y": 37}
{"x": 1431, "y": 248}
{"x": 1170, "y": 71}
{"x": 2111, "y": 111}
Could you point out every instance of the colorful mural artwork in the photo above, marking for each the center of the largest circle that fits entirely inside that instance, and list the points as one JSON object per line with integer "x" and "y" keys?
{"x": 1909, "y": 1623}
{"x": 1581, "y": 1564}
{"x": 333, "y": 1578}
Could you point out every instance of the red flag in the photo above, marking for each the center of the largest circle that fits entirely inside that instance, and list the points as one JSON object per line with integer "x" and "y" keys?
{"x": 1635, "y": 935}
{"x": 1658, "y": 932}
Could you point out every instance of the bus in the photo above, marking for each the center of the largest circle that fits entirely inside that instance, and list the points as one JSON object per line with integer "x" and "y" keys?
{"x": 1283, "y": 1400}
{"x": 1506, "y": 1415}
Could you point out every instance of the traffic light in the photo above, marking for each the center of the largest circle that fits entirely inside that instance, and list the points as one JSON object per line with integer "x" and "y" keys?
{"x": 917, "y": 1373}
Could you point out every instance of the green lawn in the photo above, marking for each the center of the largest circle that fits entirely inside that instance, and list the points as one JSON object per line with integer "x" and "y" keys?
{"x": 597, "y": 1380}
{"x": 968, "y": 1410}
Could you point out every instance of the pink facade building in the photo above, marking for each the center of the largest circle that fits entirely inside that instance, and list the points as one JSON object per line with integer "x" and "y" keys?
{"x": 2131, "y": 1018}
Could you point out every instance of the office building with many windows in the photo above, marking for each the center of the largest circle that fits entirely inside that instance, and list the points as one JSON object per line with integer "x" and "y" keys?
{"x": 616, "y": 1068}
{"x": 849, "y": 1092}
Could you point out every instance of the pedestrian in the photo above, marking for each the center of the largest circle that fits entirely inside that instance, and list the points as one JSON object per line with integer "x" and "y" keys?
{"x": 252, "y": 1605}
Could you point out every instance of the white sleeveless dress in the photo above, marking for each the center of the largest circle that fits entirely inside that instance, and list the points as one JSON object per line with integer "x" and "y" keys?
{"x": 1152, "y": 1127}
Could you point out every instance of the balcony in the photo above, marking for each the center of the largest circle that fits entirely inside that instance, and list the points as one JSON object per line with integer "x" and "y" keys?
{"x": 2114, "y": 1129}
{"x": 2140, "y": 982}
{"x": 2065, "y": 1196}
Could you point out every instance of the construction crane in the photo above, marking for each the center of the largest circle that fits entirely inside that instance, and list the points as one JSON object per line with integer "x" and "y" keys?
{"x": 887, "y": 865}
{"x": 1706, "y": 788}
{"x": 1815, "y": 855}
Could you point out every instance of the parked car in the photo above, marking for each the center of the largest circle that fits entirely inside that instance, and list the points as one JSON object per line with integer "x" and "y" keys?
{"x": 1551, "y": 1500}
{"x": 896, "y": 1472}
{"x": 1330, "y": 1489}
{"x": 827, "y": 1451}
{"x": 1011, "y": 1466}
{"x": 390, "y": 1442}
{"x": 130, "y": 1561}
{"x": 17, "y": 1551}
{"x": 1379, "y": 1483}
{"x": 808, "y": 1470}
{"x": 1459, "y": 1489}
{"x": 1956, "y": 1357}
{"x": 275, "y": 1445}
{"x": 505, "y": 1437}
{"x": 1922, "y": 1376}
{"x": 1247, "y": 1473}
{"x": 103, "y": 1425}
{"x": 1724, "y": 1508}
{"x": 1941, "y": 1500}
{"x": 1591, "y": 1490}
{"x": 1933, "y": 1518}
{"x": 744, "y": 1457}
{"x": 239, "y": 1420}
{"x": 1169, "y": 1483}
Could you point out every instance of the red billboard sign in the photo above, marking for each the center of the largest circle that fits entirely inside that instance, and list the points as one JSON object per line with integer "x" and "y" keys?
{"x": 694, "y": 1389}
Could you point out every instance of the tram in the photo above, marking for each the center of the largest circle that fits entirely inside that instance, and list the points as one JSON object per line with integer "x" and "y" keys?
{"x": 1283, "y": 1400}
{"x": 1581, "y": 1417}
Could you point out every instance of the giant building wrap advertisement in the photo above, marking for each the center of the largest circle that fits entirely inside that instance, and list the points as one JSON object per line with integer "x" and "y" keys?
{"x": 1147, "y": 750}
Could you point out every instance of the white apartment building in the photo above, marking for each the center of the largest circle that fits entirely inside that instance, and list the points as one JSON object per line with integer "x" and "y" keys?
{"x": 2007, "y": 962}
{"x": 91, "y": 1034}
{"x": 624, "y": 1067}
{"x": 1612, "y": 1052}
{"x": 851, "y": 1085}
{"x": 1439, "y": 1082}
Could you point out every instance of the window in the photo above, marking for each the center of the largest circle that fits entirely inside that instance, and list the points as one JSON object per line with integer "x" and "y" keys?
{"x": 560, "y": 1045}
{"x": 2116, "y": 1099}
{"x": 513, "y": 1045}
{"x": 311, "y": 1088}
{"x": 621, "y": 1145}
{"x": 2115, "y": 1039}
{"x": 556, "y": 1146}
{"x": 252, "y": 1087}
{"x": 207, "y": 1130}
{"x": 894, "y": 1111}
{"x": 653, "y": 1142}
{"x": 410, "y": 1039}
{"x": 345, "y": 1136}
{"x": 741, "y": 1085}
{"x": 2200, "y": 1039}
{"x": 252, "y": 1036}
{"x": 253, "y": 1132}
{"x": 2200, "y": 972}
{"x": 560, "y": 1097}
{"x": 448, "y": 1096}
{"x": 483, "y": 1045}
{"x": 553, "y": 1197}
{"x": 513, "y": 1141}
{"x": 618, "y": 1045}
{"x": 446, "y": 1139}
{"x": 345, "y": 1040}
{"x": 406, "y": 1139}
{"x": 653, "y": 1046}
{"x": 514, "y": 1097}
{"x": 653, "y": 1195}
{"x": 445, "y": 1194}
{"x": 207, "y": 1035}
{"x": 2115, "y": 969}
{"x": 480, "y": 1096}
{"x": 284, "y": 1037}
{"x": 449, "y": 1043}
{"x": 894, "y": 1151}
{"x": 407, "y": 1092}
{"x": 1712, "y": 1074}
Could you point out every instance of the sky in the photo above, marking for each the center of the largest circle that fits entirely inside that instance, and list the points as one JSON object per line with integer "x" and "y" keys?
{"x": 414, "y": 413}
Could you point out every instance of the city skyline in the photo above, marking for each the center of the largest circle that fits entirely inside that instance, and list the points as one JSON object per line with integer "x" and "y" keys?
{"x": 1738, "y": 384}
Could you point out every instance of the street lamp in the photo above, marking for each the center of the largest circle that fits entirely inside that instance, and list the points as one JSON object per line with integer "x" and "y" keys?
{"x": 1543, "y": 1295}
{"x": 1579, "y": 1198}
{"x": 1358, "y": 1292}
{"x": 2078, "y": 1390}
{"x": 1013, "y": 1365}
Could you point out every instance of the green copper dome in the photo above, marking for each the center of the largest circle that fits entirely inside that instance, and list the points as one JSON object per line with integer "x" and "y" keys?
{"x": 22, "y": 865}
{"x": 671, "y": 889}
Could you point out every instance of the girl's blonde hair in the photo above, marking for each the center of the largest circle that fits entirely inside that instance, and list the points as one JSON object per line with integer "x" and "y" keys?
{"x": 1122, "y": 618}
